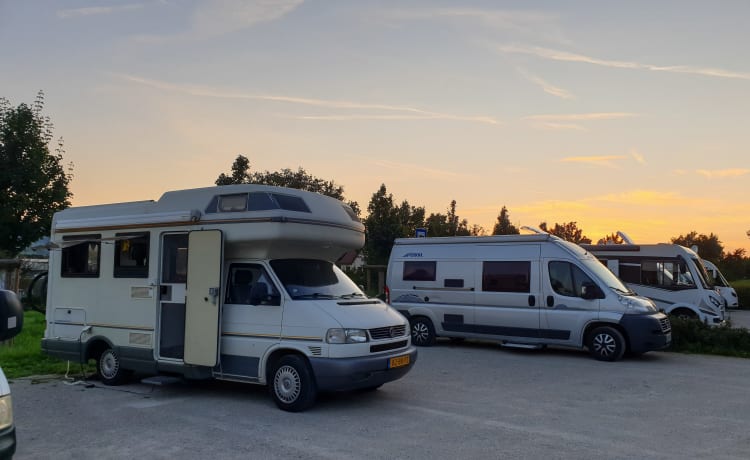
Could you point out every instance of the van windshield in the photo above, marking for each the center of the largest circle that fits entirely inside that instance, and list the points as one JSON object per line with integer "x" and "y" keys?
{"x": 606, "y": 276}
{"x": 314, "y": 279}
{"x": 706, "y": 280}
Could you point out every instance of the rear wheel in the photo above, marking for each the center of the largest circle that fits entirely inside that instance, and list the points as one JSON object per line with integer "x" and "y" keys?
{"x": 606, "y": 343}
{"x": 109, "y": 367}
{"x": 684, "y": 314}
{"x": 292, "y": 384}
{"x": 422, "y": 332}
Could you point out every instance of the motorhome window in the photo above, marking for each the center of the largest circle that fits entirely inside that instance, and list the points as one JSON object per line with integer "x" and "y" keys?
{"x": 420, "y": 270}
{"x": 567, "y": 279}
{"x": 314, "y": 279}
{"x": 666, "y": 274}
{"x": 291, "y": 203}
{"x": 174, "y": 258}
{"x": 260, "y": 201}
{"x": 506, "y": 276}
{"x": 249, "y": 284}
{"x": 233, "y": 203}
{"x": 630, "y": 272}
{"x": 131, "y": 255}
{"x": 81, "y": 260}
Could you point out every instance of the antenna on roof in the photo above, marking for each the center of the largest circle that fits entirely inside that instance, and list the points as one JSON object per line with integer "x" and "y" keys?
{"x": 625, "y": 238}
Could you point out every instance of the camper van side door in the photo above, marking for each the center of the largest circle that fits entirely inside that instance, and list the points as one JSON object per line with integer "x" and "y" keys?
{"x": 202, "y": 298}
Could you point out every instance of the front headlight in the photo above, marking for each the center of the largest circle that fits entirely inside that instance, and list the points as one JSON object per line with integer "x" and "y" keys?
{"x": 339, "y": 335}
{"x": 714, "y": 301}
{"x": 6, "y": 412}
{"x": 637, "y": 305}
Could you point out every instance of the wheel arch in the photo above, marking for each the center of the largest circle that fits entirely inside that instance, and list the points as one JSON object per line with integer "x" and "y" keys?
{"x": 95, "y": 346}
{"x": 274, "y": 355}
{"x": 594, "y": 324}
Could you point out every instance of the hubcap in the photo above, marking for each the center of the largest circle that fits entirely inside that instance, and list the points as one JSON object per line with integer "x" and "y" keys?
{"x": 109, "y": 365}
{"x": 604, "y": 344}
{"x": 287, "y": 384}
{"x": 420, "y": 333}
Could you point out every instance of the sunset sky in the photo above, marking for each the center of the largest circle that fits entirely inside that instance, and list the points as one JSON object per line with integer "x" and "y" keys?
{"x": 631, "y": 116}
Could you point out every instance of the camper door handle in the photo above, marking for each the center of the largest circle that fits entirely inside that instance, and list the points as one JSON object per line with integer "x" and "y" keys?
{"x": 550, "y": 301}
{"x": 532, "y": 300}
{"x": 214, "y": 294}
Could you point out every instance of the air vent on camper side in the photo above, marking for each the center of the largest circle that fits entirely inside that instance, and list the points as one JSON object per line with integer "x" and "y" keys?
{"x": 315, "y": 351}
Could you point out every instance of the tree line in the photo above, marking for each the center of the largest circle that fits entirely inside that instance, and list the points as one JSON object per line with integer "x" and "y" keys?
{"x": 35, "y": 184}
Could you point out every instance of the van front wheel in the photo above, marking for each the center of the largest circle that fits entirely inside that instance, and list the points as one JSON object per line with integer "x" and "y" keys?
{"x": 292, "y": 384}
{"x": 606, "y": 343}
{"x": 422, "y": 332}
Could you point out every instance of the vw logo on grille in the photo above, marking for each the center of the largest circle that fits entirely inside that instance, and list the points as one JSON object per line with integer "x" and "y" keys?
{"x": 393, "y": 331}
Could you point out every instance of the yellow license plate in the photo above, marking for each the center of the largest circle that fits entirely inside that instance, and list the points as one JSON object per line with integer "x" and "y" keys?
{"x": 399, "y": 361}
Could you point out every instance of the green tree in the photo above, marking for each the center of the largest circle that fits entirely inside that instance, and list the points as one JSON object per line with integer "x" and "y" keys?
{"x": 612, "y": 238}
{"x": 709, "y": 246}
{"x": 447, "y": 224}
{"x": 568, "y": 231}
{"x": 385, "y": 222}
{"x": 299, "y": 179}
{"x": 503, "y": 225}
{"x": 735, "y": 265}
{"x": 33, "y": 182}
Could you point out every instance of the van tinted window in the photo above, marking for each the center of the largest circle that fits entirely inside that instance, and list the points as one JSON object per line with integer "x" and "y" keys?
{"x": 567, "y": 279}
{"x": 506, "y": 276}
{"x": 420, "y": 270}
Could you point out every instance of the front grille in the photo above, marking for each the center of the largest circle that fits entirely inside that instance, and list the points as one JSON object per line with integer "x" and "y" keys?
{"x": 666, "y": 326}
{"x": 389, "y": 332}
{"x": 388, "y": 346}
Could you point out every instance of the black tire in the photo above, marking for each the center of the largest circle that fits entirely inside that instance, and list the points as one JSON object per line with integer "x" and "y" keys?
{"x": 606, "y": 343}
{"x": 422, "y": 332}
{"x": 109, "y": 368}
{"x": 292, "y": 385}
{"x": 684, "y": 314}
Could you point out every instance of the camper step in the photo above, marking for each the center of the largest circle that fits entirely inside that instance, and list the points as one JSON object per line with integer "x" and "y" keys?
{"x": 526, "y": 346}
{"x": 161, "y": 380}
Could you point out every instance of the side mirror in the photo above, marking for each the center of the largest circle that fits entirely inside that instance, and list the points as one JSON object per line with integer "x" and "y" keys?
{"x": 590, "y": 291}
{"x": 11, "y": 315}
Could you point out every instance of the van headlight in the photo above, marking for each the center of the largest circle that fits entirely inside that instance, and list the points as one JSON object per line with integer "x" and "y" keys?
{"x": 339, "y": 335}
{"x": 6, "y": 412}
{"x": 637, "y": 305}
{"x": 714, "y": 301}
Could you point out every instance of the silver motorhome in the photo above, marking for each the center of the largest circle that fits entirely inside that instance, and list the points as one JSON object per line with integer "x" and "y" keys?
{"x": 671, "y": 275}
{"x": 521, "y": 290}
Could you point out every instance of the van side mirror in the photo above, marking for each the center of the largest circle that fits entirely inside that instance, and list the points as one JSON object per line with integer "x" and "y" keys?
{"x": 590, "y": 291}
{"x": 11, "y": 315}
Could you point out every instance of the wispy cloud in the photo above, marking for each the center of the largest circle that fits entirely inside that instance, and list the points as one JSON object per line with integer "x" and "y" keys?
{"x": 413, "y": 112}
{"x": 655, "y": 198}
{"x": 638, "y": 157}
{"x": 557, "y": 55}
{"x": 722, "y": 173}
{"x": 546, "y": 86}
{"x": 419, "y": 169}
{"x": 581, "y": 116}
{"x": 603, "y": 160}
{"x": 97, "y": 10}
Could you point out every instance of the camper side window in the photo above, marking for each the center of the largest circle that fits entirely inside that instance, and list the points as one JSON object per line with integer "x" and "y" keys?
{"x": 131, "y": 255}
{"x": 249, "y": 284}
{"x": 420, "y": 271}
{"x": 506, "y": 276}
{"x": 81, "y": 259}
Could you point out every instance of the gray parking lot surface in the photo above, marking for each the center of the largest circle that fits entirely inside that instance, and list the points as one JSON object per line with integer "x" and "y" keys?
{"x": 468, "y": 400}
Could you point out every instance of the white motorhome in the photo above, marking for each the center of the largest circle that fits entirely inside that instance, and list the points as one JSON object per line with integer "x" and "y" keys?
{"x": 235, "y": 283}
{"x": 671, "y": 275}
{"x": 521, "y": 290}
{"x": 722, "y": 285}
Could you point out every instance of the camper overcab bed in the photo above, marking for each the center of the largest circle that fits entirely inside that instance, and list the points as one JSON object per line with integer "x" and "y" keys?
{"x": 671, "y": 275}
{"x": 235, "y": 282}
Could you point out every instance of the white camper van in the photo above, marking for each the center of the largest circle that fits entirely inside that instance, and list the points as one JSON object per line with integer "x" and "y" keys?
{"x": 521, "y": 290}
{"x": 671, "y": 275}
{"x": 235, "y": 282}
{"x": 722, "y": 285}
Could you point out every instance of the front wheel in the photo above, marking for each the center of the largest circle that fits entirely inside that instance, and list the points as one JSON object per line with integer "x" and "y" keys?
{"x": 606, "y": 343}
{"x": 109, "y": 367}
{"x": 422, "y": 332}
{"x": 292, "y": 384}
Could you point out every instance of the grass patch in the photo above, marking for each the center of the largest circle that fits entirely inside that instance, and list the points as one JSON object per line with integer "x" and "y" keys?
{"x": 22, "y": 356}
{"x": 692, "y": 336}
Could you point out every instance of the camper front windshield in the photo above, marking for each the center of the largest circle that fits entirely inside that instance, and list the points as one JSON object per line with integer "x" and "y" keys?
{"x": 314, "y": 279}
{"x": 706, "y": 280}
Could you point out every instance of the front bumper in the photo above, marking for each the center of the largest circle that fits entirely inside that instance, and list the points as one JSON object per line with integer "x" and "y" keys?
{"x": 647, "y": 332}
{"x": 344, "y": 374}
{"x": 7, "y": 442}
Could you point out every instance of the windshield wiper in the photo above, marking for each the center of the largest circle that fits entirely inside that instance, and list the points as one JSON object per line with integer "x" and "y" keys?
{"x": 352, "y": 295}
{"x": 314, "y": 295}
{"x": 628, "y": 292}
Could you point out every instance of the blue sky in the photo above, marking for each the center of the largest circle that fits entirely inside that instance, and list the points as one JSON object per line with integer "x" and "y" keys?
{"x": 627, "y": 116}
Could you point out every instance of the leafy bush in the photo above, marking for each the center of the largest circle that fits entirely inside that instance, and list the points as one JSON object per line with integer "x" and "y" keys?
{"x": 692, "y": 336}
{"x": 743, "y": 292}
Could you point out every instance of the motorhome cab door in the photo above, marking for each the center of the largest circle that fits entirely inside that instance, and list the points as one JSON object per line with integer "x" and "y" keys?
{"x": 189, "y": 297}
